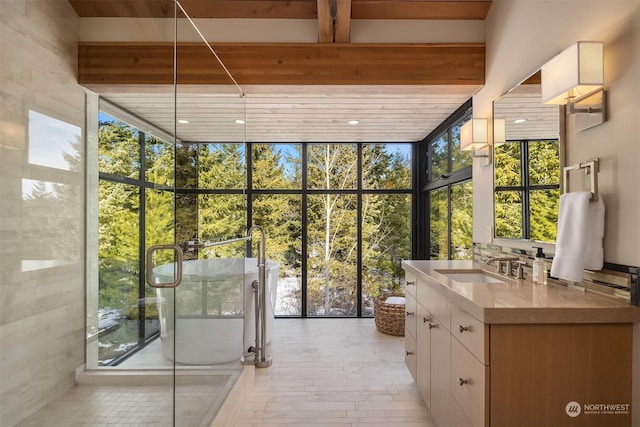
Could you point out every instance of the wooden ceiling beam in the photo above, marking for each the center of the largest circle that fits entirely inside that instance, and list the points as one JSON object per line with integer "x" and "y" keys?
{"x": 325, "y": 22}
{"x": 420, "y": 9}
{"x": 342, "y": 31}
{"x": 284, "y": 63}
{"x": 284, "y": 9}
{"x": 274, "y": 9}
{"x": 334, "y": 21}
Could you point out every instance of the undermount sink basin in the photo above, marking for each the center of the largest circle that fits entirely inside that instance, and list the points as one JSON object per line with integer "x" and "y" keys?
{"x": 470, "y": 276}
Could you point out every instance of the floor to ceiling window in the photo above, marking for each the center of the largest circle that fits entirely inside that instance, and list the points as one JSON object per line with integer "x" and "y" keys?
{"x": 445, "y": 198}
{"x": 135, "y": 211}
{"x": 337, "y": 217}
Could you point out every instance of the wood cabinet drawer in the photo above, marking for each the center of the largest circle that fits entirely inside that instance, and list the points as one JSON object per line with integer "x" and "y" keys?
{"x": 410, "y": 354}
{"x": 437, "y": 304}
{"x": 468, "y": 383}
{"x": 410, "y": 314}
{"x": 471, "y": 333}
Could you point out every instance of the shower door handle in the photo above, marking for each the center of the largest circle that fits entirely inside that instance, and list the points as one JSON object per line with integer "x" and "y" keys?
{"x": 178, "y": 272}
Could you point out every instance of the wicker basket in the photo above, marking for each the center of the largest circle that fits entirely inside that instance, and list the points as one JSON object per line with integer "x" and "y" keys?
{"x": 389, "y": 317}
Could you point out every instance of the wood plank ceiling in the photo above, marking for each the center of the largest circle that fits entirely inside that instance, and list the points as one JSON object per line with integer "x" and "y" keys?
{"x": 292, "y": 92}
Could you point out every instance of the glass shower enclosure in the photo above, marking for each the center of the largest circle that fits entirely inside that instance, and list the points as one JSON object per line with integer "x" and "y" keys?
{"x": 180, "y": 340}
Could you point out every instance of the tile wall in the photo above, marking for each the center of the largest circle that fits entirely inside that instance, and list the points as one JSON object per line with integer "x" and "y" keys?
{"x": 619, "y": 281}
{"x": 42, "y": 219}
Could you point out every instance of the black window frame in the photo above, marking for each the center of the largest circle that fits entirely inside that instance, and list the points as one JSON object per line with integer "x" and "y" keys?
{"x": 425, "y": 183}
{"x": 143, "y": 186}
{"x": 526, "y": 187}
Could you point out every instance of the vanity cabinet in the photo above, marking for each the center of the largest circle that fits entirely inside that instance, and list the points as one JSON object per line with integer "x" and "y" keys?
{"x": 472, "y": 373}
{"x": 537, "y": 371}
{"x": 433, "y": 353}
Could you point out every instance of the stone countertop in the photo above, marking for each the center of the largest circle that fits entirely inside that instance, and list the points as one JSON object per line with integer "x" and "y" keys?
{"x": 519, "y": 301}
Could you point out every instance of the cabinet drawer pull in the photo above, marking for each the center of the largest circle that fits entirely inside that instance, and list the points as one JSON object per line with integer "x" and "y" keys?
{"x": 463, "y": 328}
{"x": 426, "y": 319}
{"x": 411, "y": 313}
{"x": 409, "y": 353}
{"x": 411, "y": 282}
{"x": 462, "y": 381}
{"x": 432, "y": 325}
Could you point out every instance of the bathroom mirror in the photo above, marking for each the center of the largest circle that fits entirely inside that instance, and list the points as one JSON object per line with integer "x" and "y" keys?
{"x": 527, "y": 162}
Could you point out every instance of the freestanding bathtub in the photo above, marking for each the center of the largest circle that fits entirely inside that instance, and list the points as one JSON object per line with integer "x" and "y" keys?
{"x": 215, "y": 307}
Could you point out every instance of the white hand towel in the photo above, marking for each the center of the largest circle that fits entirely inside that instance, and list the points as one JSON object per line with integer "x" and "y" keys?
{"x": 594, "y": 256}
{"x": 571, "y": 240}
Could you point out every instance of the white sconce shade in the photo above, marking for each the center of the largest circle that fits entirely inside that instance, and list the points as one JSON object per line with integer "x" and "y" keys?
{"x": 575, "y": 72}
{"x": 474, "y": 135}
{"x": 499, "y": 131}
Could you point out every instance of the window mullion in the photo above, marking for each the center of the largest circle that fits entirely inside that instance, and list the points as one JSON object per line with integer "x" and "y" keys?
{"x": 142, "y": 192}
{"x": 305, "y": 239}
{"x": 359, "y": 222}
{"x": 449, "y": 223}
{"x": 526, "y": 211}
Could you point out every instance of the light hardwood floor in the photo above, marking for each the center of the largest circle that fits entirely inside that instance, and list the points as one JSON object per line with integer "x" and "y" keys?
{"x": 332, "y": 372}
{"x": 325, "y": 372}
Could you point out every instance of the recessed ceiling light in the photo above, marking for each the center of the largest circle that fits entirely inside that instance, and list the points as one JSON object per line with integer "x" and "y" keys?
{"x": 353, "y": 122}
{"x": 239, "y": 121}
{"x": 183, "y": 121}
{"x": 518, "y": 121}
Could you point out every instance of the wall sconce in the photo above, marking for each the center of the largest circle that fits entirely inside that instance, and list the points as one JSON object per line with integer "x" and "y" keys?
{"x": 575, "y": 77}
{"x": 499, "y": 131}
{"x": 474, "y": 136}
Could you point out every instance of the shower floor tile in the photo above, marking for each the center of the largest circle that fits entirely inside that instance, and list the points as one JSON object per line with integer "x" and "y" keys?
{"x": 89, "y": 405}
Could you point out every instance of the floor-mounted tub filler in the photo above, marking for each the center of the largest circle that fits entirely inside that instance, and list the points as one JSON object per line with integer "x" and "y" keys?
{"x": 213, "y": 309}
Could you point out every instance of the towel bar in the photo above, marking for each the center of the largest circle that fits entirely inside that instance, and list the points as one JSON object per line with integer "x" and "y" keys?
{"x": 591, "y": 167}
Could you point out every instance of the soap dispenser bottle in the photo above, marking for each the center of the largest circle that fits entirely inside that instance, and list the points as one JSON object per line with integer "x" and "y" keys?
{"x": 539, "y": 268}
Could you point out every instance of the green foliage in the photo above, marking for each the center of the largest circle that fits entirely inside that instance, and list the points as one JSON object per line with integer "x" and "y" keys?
{"x": 118, "y": 149}
{"x": 507, "y": 165}
{"x": 461, "y": 220}
{"x": 440, "y": 156}
{"x": 159, "y": 161}
{"x": 544, "y": 162}
{"x": 508, "y": 211}
{"x": 438, "y": 224}
{"x": 544, "y": 215}
{"x": 221, "y": 166}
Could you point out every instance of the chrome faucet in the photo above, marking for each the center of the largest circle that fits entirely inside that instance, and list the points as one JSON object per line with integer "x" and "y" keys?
{"x": 503, "y": 259}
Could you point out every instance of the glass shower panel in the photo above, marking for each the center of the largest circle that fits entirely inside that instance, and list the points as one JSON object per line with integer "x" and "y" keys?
{"x": 209, "y": 308}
